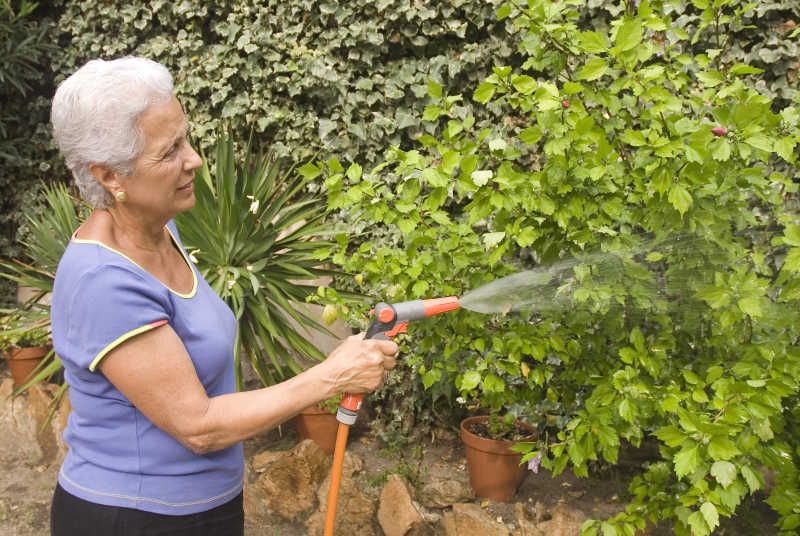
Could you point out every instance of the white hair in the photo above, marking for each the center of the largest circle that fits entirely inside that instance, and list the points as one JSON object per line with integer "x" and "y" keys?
{"x": 95, "y": 113}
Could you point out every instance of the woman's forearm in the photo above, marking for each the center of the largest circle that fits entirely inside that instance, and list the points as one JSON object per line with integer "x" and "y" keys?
{"x": 235, "y": 417}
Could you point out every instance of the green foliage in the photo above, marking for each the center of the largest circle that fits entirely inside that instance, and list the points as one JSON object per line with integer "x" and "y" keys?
{"x": 308, "y": 75}
{"x": 17, "y": 330}
{"x": 50, "y": 228}
{"x": 682, "y": 240}
{"x": 25, "y": 46}
{"x": 252, "y": 233}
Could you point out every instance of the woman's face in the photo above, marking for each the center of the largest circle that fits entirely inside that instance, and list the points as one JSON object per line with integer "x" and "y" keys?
{"x": 162, "y": 182}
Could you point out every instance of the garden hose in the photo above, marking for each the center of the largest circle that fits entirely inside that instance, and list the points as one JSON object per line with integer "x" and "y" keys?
{"x": 390, "y": 319}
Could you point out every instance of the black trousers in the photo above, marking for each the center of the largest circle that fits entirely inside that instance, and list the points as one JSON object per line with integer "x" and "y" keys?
{"x": 71, "y": 516}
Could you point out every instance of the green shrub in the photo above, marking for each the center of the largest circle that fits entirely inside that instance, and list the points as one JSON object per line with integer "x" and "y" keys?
{"x": 676, "y": 244}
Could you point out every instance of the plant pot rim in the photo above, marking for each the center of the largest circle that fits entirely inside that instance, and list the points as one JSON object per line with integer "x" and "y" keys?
{"x": 316, "y": 410}
{"x": 493, "y": 446}
{"x": 26, "y": 352}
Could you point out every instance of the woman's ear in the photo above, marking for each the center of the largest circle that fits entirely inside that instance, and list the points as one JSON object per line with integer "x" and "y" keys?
{"x": 105, "y": 176}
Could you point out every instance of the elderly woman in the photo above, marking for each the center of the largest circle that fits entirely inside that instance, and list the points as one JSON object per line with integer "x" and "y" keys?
{"x": 147, "y": 346}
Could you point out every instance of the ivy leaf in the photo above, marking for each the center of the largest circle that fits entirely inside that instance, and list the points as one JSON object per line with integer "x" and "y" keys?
{"x": 724, "y": 472}
{"x": 434, "y": 89}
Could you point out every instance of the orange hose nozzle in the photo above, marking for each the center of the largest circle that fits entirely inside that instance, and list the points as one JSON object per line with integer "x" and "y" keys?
{"x": 435, "y": 306}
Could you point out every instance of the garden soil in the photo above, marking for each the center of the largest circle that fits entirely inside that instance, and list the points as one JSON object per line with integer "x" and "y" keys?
{"x": 26, "y": 489}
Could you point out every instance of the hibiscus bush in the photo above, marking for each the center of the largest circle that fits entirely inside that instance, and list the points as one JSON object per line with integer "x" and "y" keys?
{"x": 656, "y": 184}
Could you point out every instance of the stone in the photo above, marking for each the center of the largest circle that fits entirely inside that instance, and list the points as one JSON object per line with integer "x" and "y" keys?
{"x": 468, "y": 519}
{"x": 565, "y": 521}
{"x": 288, "y": 483}
{"x": 355, "y": 512}
{"x": 528, "y": 518}
{"x": 396, "y": 511}
{"x": 445, "y": 492}
{"x": 22, "y": 424}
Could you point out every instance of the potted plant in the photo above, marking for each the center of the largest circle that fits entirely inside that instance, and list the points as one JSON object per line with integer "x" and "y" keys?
{"x": 25, "y": 344}
{"x": 318, "y": 422}
{"x": 495, "y": 470}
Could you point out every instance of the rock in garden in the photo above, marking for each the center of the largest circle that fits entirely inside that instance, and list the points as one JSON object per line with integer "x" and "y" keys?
{"x": 397, "y": 514}
{"x": 565, "y": 521}
{"x": 468, "y": 519}
{"x": 22, "y": 420}
{"x": 528, "y": 518}
{"x": 445, "y": 492}
{"x": 289, "y": 482}
{"x": 355, "y": 513}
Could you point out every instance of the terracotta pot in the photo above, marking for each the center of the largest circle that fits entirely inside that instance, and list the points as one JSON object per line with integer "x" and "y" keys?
{"x": 23, "y": 361}
{"x": 317, "y": 424}
{"x": 494, "y": 470}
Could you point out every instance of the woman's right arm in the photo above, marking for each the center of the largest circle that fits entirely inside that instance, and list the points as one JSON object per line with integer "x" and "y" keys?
{"x": 167, "y": 390}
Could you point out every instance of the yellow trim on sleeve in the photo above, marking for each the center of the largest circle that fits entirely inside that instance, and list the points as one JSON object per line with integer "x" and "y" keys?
{"x": 119, "y": 340}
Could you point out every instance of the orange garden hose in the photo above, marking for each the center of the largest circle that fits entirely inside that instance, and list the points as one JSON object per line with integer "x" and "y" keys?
{"x": 336, "y": 477}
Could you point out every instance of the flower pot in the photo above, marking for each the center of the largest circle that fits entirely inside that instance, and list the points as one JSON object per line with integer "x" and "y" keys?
{"x": 494, "y": 470}
{"x": 23, "y": 361}
{"x": 317, "y": 424}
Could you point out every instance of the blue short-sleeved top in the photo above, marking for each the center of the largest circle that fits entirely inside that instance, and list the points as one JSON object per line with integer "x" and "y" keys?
{"x": 116, "y": 456}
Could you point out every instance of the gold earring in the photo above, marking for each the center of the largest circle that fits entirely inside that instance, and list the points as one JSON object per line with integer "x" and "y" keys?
{"x": 121, "y": 196}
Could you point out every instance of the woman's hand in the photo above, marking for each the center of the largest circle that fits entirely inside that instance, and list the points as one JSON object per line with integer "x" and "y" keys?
{"x": 359, "y": 365}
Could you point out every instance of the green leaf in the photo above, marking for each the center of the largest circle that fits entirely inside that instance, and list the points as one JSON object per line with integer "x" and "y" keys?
{"x": 721, "y": 150}
{"x": 686, "y": 461}
{"x": 785, "y": 148}
{"x": 434, "y": 89}
{"x": 492, "y": 239}
{"x": 593, "y": 70}
{"x": 698, "y": 524}
{"x": 754, "y": 480}
{"x": 484, "y": 93}
{"x": 710, "y": 78}
{"x": 750, "y": 306}
{"x": 470, "y": 380}
{"x": 531, "y": 135}
{"x": 629, "y": 34}
{"x": 710, "y": 515}
{"x": 593, "y": 42}
{"x": 724, "y": 472}
{"x": 523, "y": 83}
{"x": 722, "y": 448}
{"x": 493, "y": 384}
{"x": 791, "y": 235}
{"x": 743, "y": 68}
{"x": 759, "y": 141}
{"x": 680, "y": 198}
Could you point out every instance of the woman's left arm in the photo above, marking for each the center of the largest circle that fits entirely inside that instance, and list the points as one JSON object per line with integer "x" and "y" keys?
{"x": 154, "y": 371}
